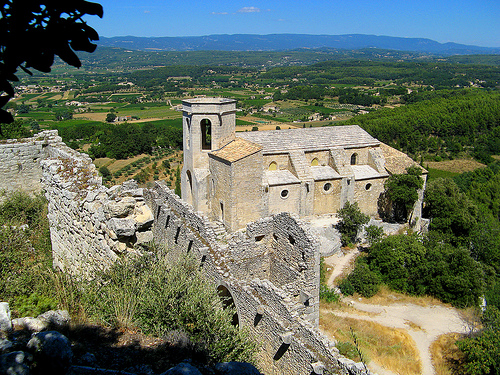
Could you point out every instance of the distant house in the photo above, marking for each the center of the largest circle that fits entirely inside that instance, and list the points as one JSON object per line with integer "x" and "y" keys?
{"x": 123, "y": 118}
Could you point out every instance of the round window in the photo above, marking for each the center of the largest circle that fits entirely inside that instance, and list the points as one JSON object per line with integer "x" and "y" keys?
{"x": 327, "y": 187}
{"x": 284, "y": 194}
{"x": 368, "y": 186}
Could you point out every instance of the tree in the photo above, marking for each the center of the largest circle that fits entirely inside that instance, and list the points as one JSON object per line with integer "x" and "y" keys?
{"x": 352, "y": 220}
{"x": 402, "y": 191}
{"x": 110, "y": 117}
{"x": 482, "y": 352}
{"x": 451, "y": 212}
{"x": 33, "y": 32}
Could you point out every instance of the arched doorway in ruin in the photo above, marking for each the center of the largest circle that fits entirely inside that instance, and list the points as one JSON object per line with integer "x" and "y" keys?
{"x": 228, "y": 302}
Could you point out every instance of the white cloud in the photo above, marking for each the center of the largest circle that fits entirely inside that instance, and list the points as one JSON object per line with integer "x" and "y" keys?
{"x": 220, "y": 13}
{"x": 249, "y": 10}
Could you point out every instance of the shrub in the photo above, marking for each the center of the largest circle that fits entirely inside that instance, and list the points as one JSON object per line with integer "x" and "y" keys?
{"x": 374, "y": 233}
{"x": 351, "y": 221}
{"x": 158, "y": 296}
{"x": 361, "y": 280}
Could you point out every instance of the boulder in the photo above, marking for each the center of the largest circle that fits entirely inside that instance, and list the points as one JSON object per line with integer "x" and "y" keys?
{"x": 5, "y": 345}
{"x": 51, "y": 351}
{"x": 122, "y": 208}
{"x": 30, "y": 323}
{"x": 143, "y": 216}
{"x": 5, "y": 322}
{"x": 236, "y": 368}
{"x": 183, "y": 369}
{"x": 56, "y": 318}
{"x": 122, "y": 227}
{"x": 15, "y": 363}
{"x": 144, "y": 237}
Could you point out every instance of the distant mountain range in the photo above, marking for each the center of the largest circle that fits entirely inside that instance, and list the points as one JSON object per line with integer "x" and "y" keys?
{"x": 279, "y": 42}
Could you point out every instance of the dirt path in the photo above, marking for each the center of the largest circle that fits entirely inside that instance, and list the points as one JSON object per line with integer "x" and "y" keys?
{"x": 423, "y": 323}
{"x": 339, "y": 262}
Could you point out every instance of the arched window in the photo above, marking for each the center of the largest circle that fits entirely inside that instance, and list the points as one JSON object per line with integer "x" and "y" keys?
{"x": 314, "y": 162}
{"x": 206, "y": 134}
{"x": 354, "y": 159}
{"x": 273, "y": 166}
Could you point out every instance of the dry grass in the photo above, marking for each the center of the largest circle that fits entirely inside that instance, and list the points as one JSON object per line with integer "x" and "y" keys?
{"x": 456, "y": 166}
{"x": 387, "y": 297}
{"x": 445, "y": 354}
{"x": 390, "y": 348}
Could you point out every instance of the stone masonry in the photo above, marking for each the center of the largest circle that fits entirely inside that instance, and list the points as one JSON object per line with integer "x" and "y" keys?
{"x": 270, "y": 269}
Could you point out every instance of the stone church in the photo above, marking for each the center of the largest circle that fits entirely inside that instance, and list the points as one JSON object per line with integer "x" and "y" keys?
{"x": 241, "y": 177}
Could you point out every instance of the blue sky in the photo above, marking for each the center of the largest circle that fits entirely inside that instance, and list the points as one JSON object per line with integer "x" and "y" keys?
{"x": 475, "y": 22}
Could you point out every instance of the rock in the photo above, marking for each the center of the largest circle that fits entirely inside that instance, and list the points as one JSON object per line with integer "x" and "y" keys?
{"x": 143, "y": 216}
{"x": 183, "y": 369}
{"x": 5, "y": 345}
{"x": 56, "y": 318}
{"x": 30, "y": 323}
{"x": 5, "y": 322}
{"x": 88, "y": 359}
{"x": 236, "y": 368}
{"x": 144, "y": 237}
{"x": 122, "y": 227}
{"x": 15, "y": 363}
{"x": 85, "y": 370}
{"x": 52, "y": 352}
{"x": 122, "y": 208}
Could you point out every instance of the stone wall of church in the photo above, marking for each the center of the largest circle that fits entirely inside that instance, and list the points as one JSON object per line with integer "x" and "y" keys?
{"x": 367, "y": 193}
{"x": 327, "y": 194}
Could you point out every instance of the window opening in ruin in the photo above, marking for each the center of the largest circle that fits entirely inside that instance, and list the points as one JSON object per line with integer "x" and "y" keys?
{"x": 158, "y": 212}
{"x": 206, "y": 134}
{"x": 273, "y": 166}
{"x": 190, "y": 246}
{"x": 368, "y": 186}
{"x": 307, "y": 187}
{"x": 190, "y": 180}
{"x": 348, "y": 182}
{"x": 221, "y": 211}
{"x": 177, "y": 234}
{"x": 167, "y": 221}
{"x": 259, "y": 238}
{"x": 228, "y": 301}
{"x": 188, "y": 133}
{"x": 291, "y": 240}
{"x": 354, "y": 159}
{"x": 275, "y": 237}
{"x": 327, "y": 187}
{"x": 284, "y": 193}
{"x": 315, "y": 162}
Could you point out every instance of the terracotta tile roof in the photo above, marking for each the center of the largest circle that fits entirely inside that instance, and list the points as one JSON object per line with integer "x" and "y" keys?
{"x": 236, "y": 150}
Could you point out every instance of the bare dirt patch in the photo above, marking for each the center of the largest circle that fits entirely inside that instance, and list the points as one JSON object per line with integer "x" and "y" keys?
{"x": 456, "y": 166}
{"x": 422, "y": 319}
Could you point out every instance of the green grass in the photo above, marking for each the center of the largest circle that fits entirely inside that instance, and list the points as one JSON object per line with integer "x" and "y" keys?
{"x": 243, "y": 122}
{"x": 437, "y": 173}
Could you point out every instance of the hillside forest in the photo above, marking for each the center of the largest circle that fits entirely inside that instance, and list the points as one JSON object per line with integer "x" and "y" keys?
{"x": 123, "y": 109}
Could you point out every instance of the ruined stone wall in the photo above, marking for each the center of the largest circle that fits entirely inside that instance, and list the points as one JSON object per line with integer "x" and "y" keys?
{"x": 271, "y": 269}
{"x": 20, "y": 168}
